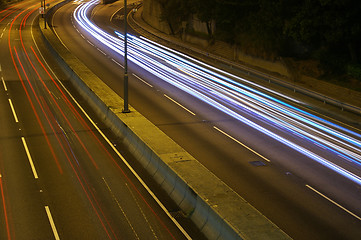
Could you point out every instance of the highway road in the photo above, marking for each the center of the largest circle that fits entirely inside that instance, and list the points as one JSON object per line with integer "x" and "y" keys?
{"x": 62, "y": 174}
{"x": 298, "y": 167}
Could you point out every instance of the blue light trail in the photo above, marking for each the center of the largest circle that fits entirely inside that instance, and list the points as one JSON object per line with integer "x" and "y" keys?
{"x": 230, "y": 94}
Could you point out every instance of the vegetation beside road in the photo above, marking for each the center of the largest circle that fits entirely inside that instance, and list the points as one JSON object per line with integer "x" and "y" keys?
{"x": 327, "y": 32}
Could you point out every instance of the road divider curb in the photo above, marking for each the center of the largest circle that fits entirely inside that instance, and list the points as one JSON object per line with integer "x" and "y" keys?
{"x": 216, "y": 209}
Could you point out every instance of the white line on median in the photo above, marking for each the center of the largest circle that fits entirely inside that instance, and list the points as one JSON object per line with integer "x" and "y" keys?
{"x": 13, "y": 110}
{"x": 243, "y": 145}
{"x": 145, "y": 82}
{"x": 335, "y": 203}
{"x": 29, "y": 157}
{"x": 180, "y": 105}
{"x": 56, "y": 235}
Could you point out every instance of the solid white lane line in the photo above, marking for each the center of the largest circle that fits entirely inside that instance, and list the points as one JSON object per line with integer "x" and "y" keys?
{"x": 117, "y": 152}
{"x": 145, "y": 82}
{"x": 56, "y": 33}
{"x": 180, "y": 105}
{"x": 13, "y": 110}
{"x": 0, "y": 64}
{"x": 115, "y": 61}
{"x": 55, "y": 232}
{"x": 242, "y": 144}
{"x": 129, "y": 167}
{"x": 335, "y": 203}
{"x": 29, "y": 157}
{"x": 160, "y": 204}
{"x": 4, "y": 84}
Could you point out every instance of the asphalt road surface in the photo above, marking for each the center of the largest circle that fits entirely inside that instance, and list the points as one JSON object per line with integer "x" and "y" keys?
{"x": 60, "y": 177}
{"x": 302, "y": 196}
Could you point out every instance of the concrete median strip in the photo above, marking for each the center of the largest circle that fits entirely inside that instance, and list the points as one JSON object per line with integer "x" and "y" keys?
{"x": 215, "y": 208}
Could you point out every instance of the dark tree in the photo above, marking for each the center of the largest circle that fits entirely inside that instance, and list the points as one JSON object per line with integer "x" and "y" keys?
{"x": 331, "y": 28}
{"x": 205, "y": 10}
{"x": 174, "y": 12}
{"x": 325, "y": 30}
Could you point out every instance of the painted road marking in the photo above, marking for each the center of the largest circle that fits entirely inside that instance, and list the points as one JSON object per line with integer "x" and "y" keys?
{"x": 56, "y": 33}
{"x": 120, "y": 65}
{"x": 90, "y": 43}
{"x": 4, "y": 84}
{"x": 119, "y": 154}
{"x": 242, "y": 144}
{"x": 121, "y": 209}
{"x": 145, "y": 82}
{"x": 56, "y": 235}
{"x": 29, "y": 157}
{"x": 335, "y": 203}
{"x": 101, "y": 51}
{"x": 180, "y": 105}
{"x": 13, "y": 110}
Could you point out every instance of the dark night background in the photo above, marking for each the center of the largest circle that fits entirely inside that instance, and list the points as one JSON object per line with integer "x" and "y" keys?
{"x": 328, "y": 32}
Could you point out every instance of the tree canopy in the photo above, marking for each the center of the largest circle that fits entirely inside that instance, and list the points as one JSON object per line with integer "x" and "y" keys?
{"x": 326, "y": 30}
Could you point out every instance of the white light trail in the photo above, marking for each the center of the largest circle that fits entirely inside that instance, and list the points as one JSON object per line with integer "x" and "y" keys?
{"x": 234, "y": 96}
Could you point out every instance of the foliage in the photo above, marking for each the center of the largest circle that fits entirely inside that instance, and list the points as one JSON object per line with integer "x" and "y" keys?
{"x": 354, "y": 70}
{"x": 174, "y": 12}
{"x": 325, "y": 30}
{"x": 330, "y": 26}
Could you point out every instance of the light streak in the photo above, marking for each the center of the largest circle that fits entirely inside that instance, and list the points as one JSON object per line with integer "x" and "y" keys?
{"x": 234, "y": 96}
{"x": 5, "y": 208}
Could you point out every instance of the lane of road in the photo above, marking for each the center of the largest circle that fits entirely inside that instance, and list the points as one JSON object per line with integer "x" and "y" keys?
{"x": 60, "y": 178}
{"x": 283, "y": 180}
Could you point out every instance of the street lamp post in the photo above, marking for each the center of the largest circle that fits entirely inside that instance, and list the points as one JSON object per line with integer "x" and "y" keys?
{"x": 125, "y": 109}
{"x": 44, "y": 15}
